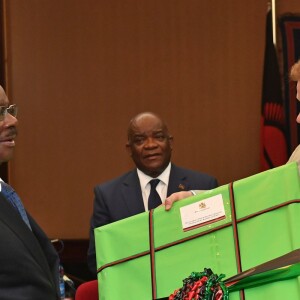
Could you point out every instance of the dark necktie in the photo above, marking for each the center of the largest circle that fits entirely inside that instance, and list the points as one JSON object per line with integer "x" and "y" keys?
{"x": 154, "y": 198}
{"x": 15, "y": 201}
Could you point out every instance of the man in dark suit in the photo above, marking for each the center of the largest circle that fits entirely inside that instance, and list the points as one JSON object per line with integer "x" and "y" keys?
{"x": 150, "y": 147}
{"x": 28, "y": 261}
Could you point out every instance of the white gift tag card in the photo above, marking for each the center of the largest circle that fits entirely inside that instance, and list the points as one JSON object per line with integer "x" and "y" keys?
{"x": 202, "y": 212}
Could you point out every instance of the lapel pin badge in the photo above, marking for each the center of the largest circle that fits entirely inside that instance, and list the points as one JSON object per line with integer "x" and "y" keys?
{"x": 181, "y": 187}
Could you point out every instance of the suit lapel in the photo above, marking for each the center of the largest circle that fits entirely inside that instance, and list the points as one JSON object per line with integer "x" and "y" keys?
{"x": 132, "y": 194}
{"x": 177, "y": 181}
{"x": 14, "y": 222}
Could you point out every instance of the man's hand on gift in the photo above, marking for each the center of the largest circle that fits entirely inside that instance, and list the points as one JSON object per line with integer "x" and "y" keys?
{"x": 175, "y": 197}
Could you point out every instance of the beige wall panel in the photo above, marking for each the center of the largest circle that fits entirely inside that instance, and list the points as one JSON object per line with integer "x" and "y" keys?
{"x": 79, "y": 70}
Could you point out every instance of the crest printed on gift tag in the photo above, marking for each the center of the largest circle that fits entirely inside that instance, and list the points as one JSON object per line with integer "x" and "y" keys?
{"x": 202, "y": 205}
{"x": 202, "y": 212}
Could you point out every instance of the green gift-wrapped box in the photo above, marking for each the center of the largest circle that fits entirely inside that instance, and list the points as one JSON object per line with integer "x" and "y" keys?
{"x": 256, "y": 219}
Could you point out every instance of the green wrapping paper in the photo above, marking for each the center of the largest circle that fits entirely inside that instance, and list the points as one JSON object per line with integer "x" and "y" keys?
{"x": 260, "y": 238}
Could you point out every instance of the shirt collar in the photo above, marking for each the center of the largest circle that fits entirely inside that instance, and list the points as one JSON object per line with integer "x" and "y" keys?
{"x": 164, "y": 176}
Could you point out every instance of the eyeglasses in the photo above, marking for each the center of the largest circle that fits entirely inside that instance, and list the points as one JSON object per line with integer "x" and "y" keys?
{"x": 12, "y": 110}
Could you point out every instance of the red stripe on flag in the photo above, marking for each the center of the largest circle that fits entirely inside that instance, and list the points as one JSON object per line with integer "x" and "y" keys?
{"x": 273, "y": 152}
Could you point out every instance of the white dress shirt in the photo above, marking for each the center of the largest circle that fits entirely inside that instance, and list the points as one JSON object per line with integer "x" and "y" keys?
{"x": 162, "y": 187}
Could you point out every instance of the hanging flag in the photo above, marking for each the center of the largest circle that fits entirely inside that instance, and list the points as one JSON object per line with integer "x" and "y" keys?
{"x": 273, "y": 135}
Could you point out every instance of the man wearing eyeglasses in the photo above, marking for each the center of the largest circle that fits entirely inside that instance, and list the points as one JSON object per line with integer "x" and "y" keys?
{"x": 28, "y": 261}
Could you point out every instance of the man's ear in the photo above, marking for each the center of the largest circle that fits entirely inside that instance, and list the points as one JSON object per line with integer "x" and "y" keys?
{"x": 128, "y": 149}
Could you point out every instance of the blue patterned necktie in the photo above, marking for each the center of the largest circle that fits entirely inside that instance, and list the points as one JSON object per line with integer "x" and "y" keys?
{"x": 15, "y": 201}
{"x": 154, "y": 198}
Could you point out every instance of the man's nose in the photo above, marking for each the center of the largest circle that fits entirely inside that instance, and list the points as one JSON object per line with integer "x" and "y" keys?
{"x": 10, "y": 120}
{"x": 150, "y": 142}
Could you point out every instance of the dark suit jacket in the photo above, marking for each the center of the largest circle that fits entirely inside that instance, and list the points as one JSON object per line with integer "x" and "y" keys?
{"x": 28, "y": 261}
{"x": 122, "y": 197}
